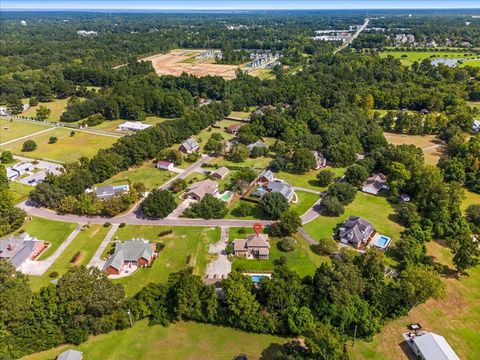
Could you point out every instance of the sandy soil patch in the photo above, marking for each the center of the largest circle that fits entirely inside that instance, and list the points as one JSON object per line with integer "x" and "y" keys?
{"x": 175, "y": 63}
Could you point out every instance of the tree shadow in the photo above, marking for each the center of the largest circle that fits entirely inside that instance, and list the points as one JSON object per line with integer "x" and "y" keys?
{"x": 270, "y": 352}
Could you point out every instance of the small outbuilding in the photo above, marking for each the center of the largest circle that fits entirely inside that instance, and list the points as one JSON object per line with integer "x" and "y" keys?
{"x": 133, "y": 126}
{"x": 430, "y": 346}
{"x": 70, "y": 355}
{"x": 220, "y": 173}
{"x": 165, "y": 165}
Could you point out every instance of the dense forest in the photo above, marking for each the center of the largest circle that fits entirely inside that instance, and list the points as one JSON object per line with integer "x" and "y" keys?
{"x": 329, "y": 106}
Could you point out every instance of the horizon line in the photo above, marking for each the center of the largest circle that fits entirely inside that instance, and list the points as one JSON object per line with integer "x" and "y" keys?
{"x": 237, "y": 9}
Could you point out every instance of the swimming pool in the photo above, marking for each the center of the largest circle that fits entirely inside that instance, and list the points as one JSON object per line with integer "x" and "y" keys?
{"x": 225, "y": 196}
{"x": 256, "y": 278}
{"x": 381, "y": 241}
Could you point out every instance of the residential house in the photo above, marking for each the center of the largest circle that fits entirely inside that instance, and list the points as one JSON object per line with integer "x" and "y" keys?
{"x": 19, "y": 169}
{"x": 320, "y": 160}
{"x": 476, "y": 126}
{"x": 4, "y": 111}
{"x": 256, "y": 144}
{"x": 19, "y": 249}
{"x": 133, "y": 126}
{"x": 130, "y": 254}
{"x": 108, "y": 191}
{"x": 356, "y": 232}
{"x": 220, "y": 173}
{"x": 430, "y": 346}
{"x": 189, "y": 146}
{"x": 282, "y": 188}
{"x": 199, "y": 189}
{"x": 255, "y": 246}
{"x": 70, "y": 355}
{"x": 165, "y": 165}
{"x": 375, "y": 183}
{"x": 265, "y": 177}
{"x": 233, "y": 129}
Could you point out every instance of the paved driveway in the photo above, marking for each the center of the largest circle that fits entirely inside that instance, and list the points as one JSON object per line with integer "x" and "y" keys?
{"x": 221, "y": 266}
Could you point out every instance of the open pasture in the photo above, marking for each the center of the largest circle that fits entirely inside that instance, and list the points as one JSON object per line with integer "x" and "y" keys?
{"x": 432, "y": 147}
{"x": 11, "y": 130}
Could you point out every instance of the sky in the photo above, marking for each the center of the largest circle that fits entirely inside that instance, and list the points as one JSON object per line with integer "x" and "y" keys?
{"x": 232, "y": 4}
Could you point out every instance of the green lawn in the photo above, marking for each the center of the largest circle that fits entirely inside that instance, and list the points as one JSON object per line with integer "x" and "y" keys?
{"x": 433, "y": 148}
{"x": 305, "y": 201}
{"x": 146, "y": 173}
{"x": 67, "y": 148}
{"x": 473, "y": 63}
{"x": 470, "y": 199}
{"x": 375, "y": 209}
{"x": 309, "y": 179}
{"x": 57, "y": 107}
{"x": 205, "y": 134}
{"x": 412, "y": 56}
{"x": 259, "y": 163}
{"x": 302, "y": 260}
{"x": 10, "y": 130}
{"x": 456, "y": 317}
{"x": 53, "y": 232}
{"x": 182, "y": 340}
{"x": 19, "y": 191}
{"x": 187, "y": 246}
{"x": 86, "y": 243}
{"x": 240, "y": 114}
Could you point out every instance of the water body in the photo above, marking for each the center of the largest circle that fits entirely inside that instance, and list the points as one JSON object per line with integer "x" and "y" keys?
{"x": 445, "y": 61}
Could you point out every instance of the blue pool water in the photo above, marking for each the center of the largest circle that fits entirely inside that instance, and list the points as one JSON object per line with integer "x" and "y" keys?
{"x": 382, "y": 242}
{"x": 256, "y": 278}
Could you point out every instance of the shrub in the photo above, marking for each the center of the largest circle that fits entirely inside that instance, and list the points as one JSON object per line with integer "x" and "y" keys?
{"x": 287, "y": 244}
{"x": 159, "y": 246}
{"x": 107, "y": 224}
{"x": 52, "y": 140}
{"x": 53, "y": 274}
{"x": 29, "y": 145}
{"x": 473, "y": 214}
{"x": 75, "y": 257}
{"x": 165, "y": 233}
{"x": 122, "y": 225}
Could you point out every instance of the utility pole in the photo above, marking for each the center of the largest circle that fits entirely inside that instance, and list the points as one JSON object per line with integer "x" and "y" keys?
{"x": 130, "y": 317}
{"x": 354, "y": 335}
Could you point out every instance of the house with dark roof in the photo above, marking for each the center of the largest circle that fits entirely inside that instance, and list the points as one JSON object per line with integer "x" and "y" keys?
{"x": 70, "y": 355}
{"x": 130, "y": 254}
{"x": 256, "y": 144}
{"x": 20, "y": 249}
{"x": 255, "y": 246}
{"x": 199, "y": 189}
{"x": 189, "y": 146}
{"x": 356, "y": 232}
{"x": 108, "y": 191}
{"x": 220, "y": 173}
{"x": 282, "y": 188}
{"x": 265, "y": 176}
{"x": 375, "y": 183}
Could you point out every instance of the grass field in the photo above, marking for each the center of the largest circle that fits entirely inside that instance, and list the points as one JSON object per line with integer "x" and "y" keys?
{"x": 412, "y": 56}
{"x": 182, "y": 340}
{"x": 470, "y": 199}
{"x": 241, "y": 114}
{"x": 19, "y": 191}
{"x": 187, "y": 246}
{"x": 86, "y": 242}
{"x": 11, "y": 130}
{"x": 302, "y": 260}
{"x": 473, "y": 63}
{"x": 309, "y": 179}
{"x": 456, "y": 317}
{"x": 57, "y": 107}
{"x": 205, "y": 134}
{"x": 375, "y": 209}
{"x": 53, "y": 232}
{"x": 67, "y": 148}
{"x": 146, "y": 173}
{"x": 474, "y": 104}
{"x": 259, "y": 163}
{"x": 305, "y": 201}
{"x": 432, "y": 147}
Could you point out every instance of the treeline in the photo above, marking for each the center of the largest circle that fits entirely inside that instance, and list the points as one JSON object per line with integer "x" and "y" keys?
{"x": 11, "y": 217}
{"x": 349, "y": 295}
{"x": 128, "y": 151}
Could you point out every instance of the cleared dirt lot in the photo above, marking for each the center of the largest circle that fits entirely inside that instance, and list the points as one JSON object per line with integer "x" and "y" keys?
{"x": 177, "y": 62}
{"x": 432, "y": 147}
